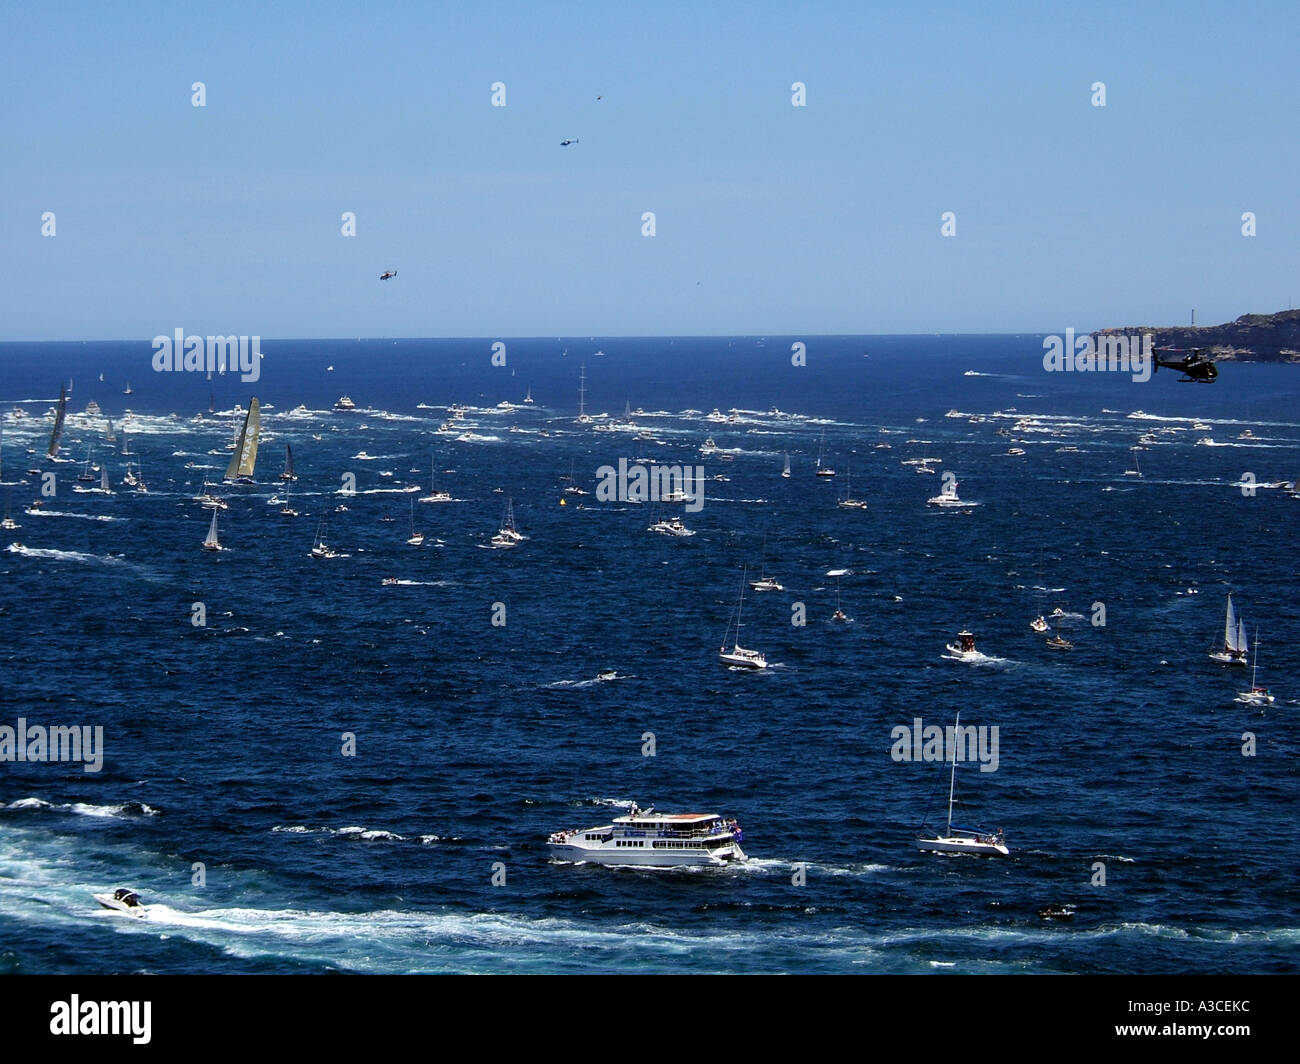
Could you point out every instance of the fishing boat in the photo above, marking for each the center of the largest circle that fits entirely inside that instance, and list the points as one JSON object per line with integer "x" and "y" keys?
{"x": 823, "y": 470}
{"x": 786, "y": 471}
{"x": 416, "y": 538}
{"x": 1234, "y": 649}
{"x": 319, "y": 548}
{"x": 653, "y": 840}
{"x": 957, "y": 839}
{"x": 738, "y": 656}
{"x": 288, "y": 473}
{"x": 244, "y": 460}
{"x": 849, "y": 502}
{"x": 964, "y": 648}
{"x": 212, "y": 542}
{"x": 1256, "y": 696}
{"x": 434, "y": 494}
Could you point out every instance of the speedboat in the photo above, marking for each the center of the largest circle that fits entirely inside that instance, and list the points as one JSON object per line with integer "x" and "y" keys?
{"x": 1059, "y": 642}
{"x": 655, "y": 840}
{"x": 1039, "y": 624}
{"x": 671, "y": 527}
{"x": 964, "y": 648}
{"x": 607, "y": 674}
{"x": 123, "y": 901}
{"x": 767, "y": 583}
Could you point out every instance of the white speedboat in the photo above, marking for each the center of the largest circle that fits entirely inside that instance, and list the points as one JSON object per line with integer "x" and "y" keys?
{"x": 974, "y": 841}
{"x": 123, "y": 901}
{"x": 948, "y": 499}
{"x": 964, "y": 648}
{"x": 1039, "y": 624}
{"x": 767, "y": 583}
{"x": 653, "y": 840}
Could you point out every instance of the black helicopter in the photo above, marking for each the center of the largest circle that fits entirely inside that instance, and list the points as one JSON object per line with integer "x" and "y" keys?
{"x": 387, "y": 274}
{"x": 1197, "y": 367}
{"x": 566, "y": 142}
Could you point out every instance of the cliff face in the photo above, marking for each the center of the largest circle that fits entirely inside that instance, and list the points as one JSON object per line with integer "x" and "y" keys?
{"x": 1251, "y": 338}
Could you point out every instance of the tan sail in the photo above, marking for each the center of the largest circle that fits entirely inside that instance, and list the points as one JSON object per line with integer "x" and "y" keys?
{"x": 243, "y": 461}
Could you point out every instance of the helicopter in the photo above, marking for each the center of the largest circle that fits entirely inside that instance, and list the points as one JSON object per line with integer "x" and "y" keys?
{"x": 387, "y": 274}
{"x": 566, "y": 142}
{"x": 1198, "y": 367}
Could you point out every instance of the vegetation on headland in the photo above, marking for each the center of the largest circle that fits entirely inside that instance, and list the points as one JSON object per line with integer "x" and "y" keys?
{"x": 1251, "y": 338}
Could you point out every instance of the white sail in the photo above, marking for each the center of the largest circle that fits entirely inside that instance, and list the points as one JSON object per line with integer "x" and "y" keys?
{"x": 212, "y": 543}
{"x": 1230, "y": 628}
{"x": 103, "y": 479}
{"x": 1241, "y": 638}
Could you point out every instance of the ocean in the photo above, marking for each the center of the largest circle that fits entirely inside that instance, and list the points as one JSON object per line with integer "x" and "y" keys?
{"x": 331, "y": 773}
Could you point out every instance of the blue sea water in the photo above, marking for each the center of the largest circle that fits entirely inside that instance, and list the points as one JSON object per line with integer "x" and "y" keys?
{"x": 473, "y": 741}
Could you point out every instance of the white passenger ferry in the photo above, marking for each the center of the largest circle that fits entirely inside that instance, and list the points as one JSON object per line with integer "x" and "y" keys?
{"x": 651, "y": 839}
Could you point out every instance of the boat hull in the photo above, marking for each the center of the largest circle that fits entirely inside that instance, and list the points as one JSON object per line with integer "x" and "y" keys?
{"x": 608, "y": 855}
{"x": 960, "y": 844}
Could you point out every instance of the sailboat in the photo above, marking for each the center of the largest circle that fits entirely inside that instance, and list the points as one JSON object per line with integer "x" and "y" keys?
{"x": 583, "y": 417}
{"x": 1256, "y": 696}
{"x": 416, "y": 537}
{"x": 849, "y": 502}
{"x": 786, "y": 471}
{"x": 288, "y": 473}
{"x": 319, "y": 549}
{"x": 140, "y": 485}
{"x": 839, "y": 614}
{"x": 1234, "y": 648}
{"x": 823, "y": 471}
{"x": 434, "y": 494}
{"x": 125, "y": 449}
{"x": 109, "y": 435}
{"x": 57, "y": 434}
{"x": 738, "y": 656}
{"x": 528, "y": 398}
{"x": 287, "y": 510}
{"x": 212, "y": 542}
{"x": 86, "y": 476}
{"x": 1136, "y": 471}
{"x": 966, "y": 840}
{"x": 243, "y": 461}
{"x": 127, "y": 389}
{"x": 509, "y": 535}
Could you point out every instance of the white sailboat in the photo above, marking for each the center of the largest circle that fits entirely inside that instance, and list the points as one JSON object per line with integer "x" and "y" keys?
{"x": 738, "y": 656}
{"x": 319, "y": 548}
{"x": 434, "y": 494}
{"x": 1234, "y": 649}
{"x": 786, "y": 471}
{"x": 1256, "y": 696}
{"x": 1136, "y": 471}
{"x": 823, "y": 471}
{"x": 765, "y": 582}
{"x": 849, "y": 502}
{"x": 962, "y": 840}
{"x": 416, "y": 537}
{"x": 244, "y": 460}
{"x": 839, "y": 615}
{"x": 212, "y": 542}
{"x": 509, "y": 535}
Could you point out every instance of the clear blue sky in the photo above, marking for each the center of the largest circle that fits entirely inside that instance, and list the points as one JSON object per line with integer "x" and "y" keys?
{"x": 770, "y": 219}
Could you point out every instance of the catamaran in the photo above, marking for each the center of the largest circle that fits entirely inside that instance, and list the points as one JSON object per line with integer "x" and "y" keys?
{"x": 1234, "y": 648}
{"x": 656, "y": 840}
{"x": 243, "y": 461}
{"x": 738, "y": 656}
{"x": 1256, "y": 696}
{"x": 962, "y": 840}
{"x": 509, "y": 535}
{"x": 212, "y": 542}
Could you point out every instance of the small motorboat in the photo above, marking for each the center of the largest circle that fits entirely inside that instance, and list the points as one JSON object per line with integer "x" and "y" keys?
{"x": 1057, "y": 912}
{"x": 1059, "y": 642}
{"x": 607, "y": 674}
{"x": 123, "y": 900}
{"x": 1039, "y": 624}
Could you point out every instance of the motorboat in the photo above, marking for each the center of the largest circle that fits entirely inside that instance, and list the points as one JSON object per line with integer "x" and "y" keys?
{"x": 653, "y": 840}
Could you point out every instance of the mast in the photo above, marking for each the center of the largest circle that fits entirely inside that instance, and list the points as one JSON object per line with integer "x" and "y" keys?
{"x": 582, "y": 391}
{"x": 952, "y": 779}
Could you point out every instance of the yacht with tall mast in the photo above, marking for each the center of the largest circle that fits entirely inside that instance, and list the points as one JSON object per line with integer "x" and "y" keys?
{"x": 212, "y": 542}
{"x": 1234, "y": 649}
{"x": 509, "y": 535}
{"x": 244, "y": 460}
{"x": 738, "y": 656}
{"x": 962, "y": 840}
{"x": 849, "y": 502}
{"x": 823, "y": 470}
{"x": 434, "y": 494}
{"x": 1256, "y": 696}
{"x": 583, "y": 417}
{"x": 416, "y": 538}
